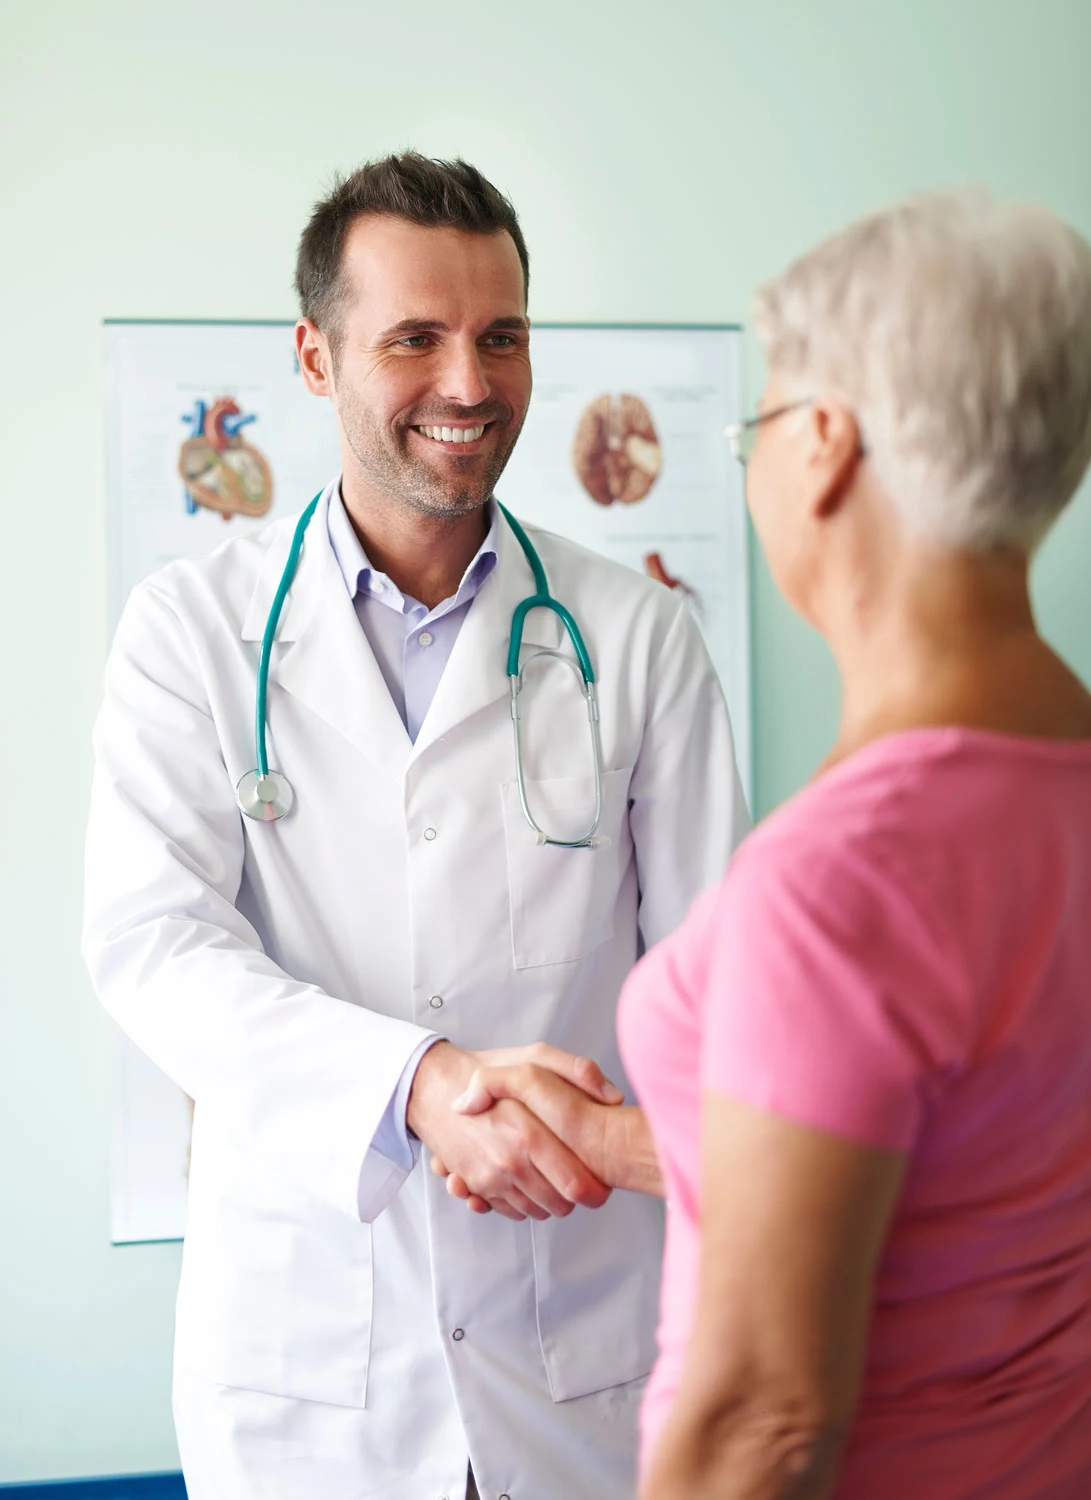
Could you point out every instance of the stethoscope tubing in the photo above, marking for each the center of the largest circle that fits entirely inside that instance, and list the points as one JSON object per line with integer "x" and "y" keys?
{"x": 541, "y": 599}
{"x": 286, "y": 578}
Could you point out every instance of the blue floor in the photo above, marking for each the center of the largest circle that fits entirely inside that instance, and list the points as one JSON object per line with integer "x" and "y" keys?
{"x": 123, "y": 1487}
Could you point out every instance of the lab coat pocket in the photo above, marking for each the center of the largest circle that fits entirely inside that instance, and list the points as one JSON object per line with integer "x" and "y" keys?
{"x": 276, "y": 1298}
{"x": 597, "y": 1282}
{"x": 563, "y": 900}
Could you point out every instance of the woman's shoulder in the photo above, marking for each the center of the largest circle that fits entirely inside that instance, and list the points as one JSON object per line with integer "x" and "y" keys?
{"x": 909, "y": 798}
{"x": 851, "y": 812}
{"x": 835, "y": 846}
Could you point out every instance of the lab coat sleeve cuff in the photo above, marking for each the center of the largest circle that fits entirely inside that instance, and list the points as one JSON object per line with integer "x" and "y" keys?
{"x": 394, "y": 1150}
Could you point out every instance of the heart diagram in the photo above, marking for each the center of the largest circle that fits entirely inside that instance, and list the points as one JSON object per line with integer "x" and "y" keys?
{"x": 220, "y": 470}
{"x": 617, "y": 453}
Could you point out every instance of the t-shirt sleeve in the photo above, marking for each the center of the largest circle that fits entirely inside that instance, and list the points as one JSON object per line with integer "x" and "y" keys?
{"x": 831, "y": 995}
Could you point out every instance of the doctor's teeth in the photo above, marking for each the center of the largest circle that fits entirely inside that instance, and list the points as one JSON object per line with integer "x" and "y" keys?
{"x": 453, "y": 434}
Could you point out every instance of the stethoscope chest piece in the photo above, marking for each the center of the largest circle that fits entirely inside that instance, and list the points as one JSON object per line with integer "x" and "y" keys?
{"x": 264, "y": 798}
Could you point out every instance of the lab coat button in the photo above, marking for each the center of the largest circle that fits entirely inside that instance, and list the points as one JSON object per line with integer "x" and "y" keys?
{"x": 425, "y": 638}
{"x": 458, "y": 1335}
{"x": 436, "y": 1002}
{"x": 429, "y": 834}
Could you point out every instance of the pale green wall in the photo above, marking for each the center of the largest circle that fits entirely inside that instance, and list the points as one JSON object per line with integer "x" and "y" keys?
{"x": 160, "y": 160}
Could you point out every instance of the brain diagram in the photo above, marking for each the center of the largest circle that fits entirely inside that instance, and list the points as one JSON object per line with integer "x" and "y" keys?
{"x": 617, "y": 454}
{"x": 220, "y": 470}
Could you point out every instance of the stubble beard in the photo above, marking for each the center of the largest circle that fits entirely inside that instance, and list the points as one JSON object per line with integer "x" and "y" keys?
{"x": 387, "y": 463}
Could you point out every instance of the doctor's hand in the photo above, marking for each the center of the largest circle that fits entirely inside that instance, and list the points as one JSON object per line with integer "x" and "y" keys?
{"x": 567, "y": 1094}
{"x": 506, "y": 1157}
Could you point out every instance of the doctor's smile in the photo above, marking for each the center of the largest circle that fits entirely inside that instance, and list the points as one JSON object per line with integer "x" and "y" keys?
{"x": 459, "y": 436}
{"x": 463, "y": 434}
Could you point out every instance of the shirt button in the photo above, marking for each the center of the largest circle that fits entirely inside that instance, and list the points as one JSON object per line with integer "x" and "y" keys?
{"x": 425, "y": 638}
{"x": 458, "y": 1335}
{"x": 436, "y": 1002}
{"x": 429, "y": 834}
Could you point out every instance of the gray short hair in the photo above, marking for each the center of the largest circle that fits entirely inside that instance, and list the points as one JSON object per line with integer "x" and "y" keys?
{"x": 959, "y": 330}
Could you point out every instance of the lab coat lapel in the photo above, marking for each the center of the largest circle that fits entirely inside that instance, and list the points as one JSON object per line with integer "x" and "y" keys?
{"x": 476, "y": 674}
{"x": 321, "y": 655}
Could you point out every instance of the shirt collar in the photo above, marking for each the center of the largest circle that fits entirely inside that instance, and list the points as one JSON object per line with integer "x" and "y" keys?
{"x": 361, "y": 578}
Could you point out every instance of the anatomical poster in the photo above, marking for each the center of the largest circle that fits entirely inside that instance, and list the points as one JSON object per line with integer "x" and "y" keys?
{"x": 624, "y": 451}
{"x": 211, "y": 433}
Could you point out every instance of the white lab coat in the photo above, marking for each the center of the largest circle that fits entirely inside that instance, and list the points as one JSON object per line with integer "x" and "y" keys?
{"x": 283, "y": 973}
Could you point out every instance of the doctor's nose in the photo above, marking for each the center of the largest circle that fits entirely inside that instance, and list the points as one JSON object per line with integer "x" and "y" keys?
{"x": 463, "y": 379}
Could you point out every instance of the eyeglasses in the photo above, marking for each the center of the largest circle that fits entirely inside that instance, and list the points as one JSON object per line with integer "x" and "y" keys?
{"x": 741, "y": 436}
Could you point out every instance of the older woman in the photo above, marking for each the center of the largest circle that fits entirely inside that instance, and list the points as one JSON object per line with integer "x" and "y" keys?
{"x": 866, "y": 1056}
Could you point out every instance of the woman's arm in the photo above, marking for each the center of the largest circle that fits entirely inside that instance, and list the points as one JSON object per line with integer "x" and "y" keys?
{"x": 632, "y": 1162}
{"x": 793, "y": 1221}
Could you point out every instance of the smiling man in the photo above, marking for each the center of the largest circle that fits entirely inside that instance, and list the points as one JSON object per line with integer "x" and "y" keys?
{"x": 324, "y": 984}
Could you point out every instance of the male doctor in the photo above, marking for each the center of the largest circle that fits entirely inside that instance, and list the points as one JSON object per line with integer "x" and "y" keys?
{"x": 323, "y": 986}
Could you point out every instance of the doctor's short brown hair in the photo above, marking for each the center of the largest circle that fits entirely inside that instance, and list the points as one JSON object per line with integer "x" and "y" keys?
{"x": 435, "y": 194}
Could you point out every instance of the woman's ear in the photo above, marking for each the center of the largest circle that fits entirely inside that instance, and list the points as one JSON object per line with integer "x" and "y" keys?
{"x": 836, "y": 448}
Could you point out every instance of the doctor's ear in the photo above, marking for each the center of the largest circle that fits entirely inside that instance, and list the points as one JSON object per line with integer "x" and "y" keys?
{"x": 315, "y": 357}
{"x": 835, "y": 448}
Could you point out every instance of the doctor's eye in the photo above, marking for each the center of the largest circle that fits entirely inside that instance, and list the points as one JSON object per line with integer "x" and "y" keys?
{"x": 414, "y": 341}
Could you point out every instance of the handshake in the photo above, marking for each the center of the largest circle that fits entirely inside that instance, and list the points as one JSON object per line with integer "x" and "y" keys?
{"x": 529, "y": 1132}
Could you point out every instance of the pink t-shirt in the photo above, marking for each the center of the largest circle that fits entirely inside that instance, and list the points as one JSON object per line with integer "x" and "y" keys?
{"x": 902, "y": 956}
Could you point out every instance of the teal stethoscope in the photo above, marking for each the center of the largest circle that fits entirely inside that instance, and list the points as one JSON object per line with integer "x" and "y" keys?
{"x": 267, "y": 795}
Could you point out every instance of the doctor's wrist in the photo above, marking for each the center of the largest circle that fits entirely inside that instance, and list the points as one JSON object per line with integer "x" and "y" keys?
{"x": 442, "y": 1074}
